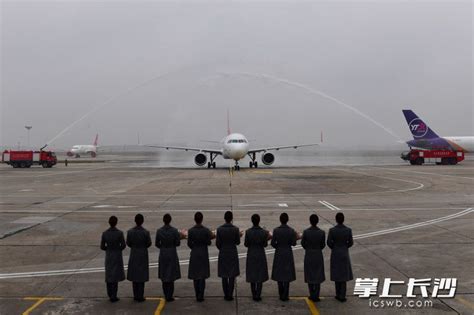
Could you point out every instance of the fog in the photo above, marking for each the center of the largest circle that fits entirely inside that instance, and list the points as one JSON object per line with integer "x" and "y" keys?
{"x": 166, "y": 72}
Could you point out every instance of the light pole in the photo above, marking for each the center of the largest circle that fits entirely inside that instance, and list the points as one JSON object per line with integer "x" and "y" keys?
{"x": 28, "y": 128}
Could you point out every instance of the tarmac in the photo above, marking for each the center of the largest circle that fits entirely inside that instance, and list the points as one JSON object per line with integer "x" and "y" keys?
{"x": 407, "y": 222}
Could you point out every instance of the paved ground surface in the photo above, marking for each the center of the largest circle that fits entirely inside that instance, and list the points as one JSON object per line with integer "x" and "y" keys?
{"x": 407, "y": 222}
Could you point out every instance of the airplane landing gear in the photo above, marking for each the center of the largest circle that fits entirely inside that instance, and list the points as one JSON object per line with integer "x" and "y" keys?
{"x": 237, "y": 166}
{"x": 253, "y": 163}
{"x": 212, "y": 157}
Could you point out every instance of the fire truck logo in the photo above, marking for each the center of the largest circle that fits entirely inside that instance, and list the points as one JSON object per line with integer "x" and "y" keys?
{"x": 418, "y": 128}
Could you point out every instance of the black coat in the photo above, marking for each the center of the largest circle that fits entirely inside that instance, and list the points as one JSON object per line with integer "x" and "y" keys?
{"x": 256, "y": 239}
{"x": 199, "y": 238}
{"x": 138, "y": 239}
{"x": 113, "y": 243}
{"x": 339, "y": 240}
{"x": 167, "y": 239}
{"x": 283, "y": 261}
{"x": 313, "y": 241}
{"x": 227, "y": 239}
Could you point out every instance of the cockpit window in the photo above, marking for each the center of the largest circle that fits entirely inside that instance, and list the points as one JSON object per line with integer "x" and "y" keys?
{"x": 237, "y": 141}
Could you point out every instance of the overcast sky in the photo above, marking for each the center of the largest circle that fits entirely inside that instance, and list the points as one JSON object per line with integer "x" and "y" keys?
{"x": 62, "y": 59}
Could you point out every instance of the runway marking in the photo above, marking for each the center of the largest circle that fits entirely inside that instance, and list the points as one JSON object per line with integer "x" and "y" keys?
{"x": 32, "y": 220}
{"x": 160, "y": 210}
{"x": 26, "y": 190}
{"x": 329, "y": 205}
{"x": 73, "y": 202}
{"x": 416, "y": 225}
{"x": 263, "y": 172}
{"x": 465, "y": 302}
{"x": 311, "y": 305}
{"x": 283, "y": 205}
{"x": 241, "y": 255}
{"x": 39, "y": 301}
{"x": 424, "y": 173}
{"x": 113, "y": 206}
{"x": 419, "y": 185}
{"x": 160, "y": 306}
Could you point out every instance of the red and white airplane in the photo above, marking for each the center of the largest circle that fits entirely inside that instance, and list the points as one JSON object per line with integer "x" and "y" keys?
{"x": 87, "y": 149}
{"x": 234, "y": 146}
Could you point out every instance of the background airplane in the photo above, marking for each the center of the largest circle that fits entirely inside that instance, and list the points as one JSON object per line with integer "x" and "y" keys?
{"x": 89, "y": 149}
{"x": 425, "y": 138}
{"x": 234, "y": 146}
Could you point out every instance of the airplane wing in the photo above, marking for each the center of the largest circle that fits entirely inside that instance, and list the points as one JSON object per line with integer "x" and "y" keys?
{"x": 167, "y": 147}
{"x": 282, "y": 147}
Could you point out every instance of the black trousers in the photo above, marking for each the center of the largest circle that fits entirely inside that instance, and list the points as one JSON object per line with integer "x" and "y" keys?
{"x": 256, "y": 288}
{"x": 228, "y": 286}
{"x": 112, "y": 288}
{"x": 314, "y": 289}
{"x": 168, "y": 289}
{"x": 284, "y": 290}
{"x": 341, "y": 289}
{"x": 138, "y": 290}
{"x": 199, "y": 287}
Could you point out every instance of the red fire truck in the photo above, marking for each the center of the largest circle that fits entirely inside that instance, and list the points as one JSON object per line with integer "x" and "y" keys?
{"x": 25, "y": 159}
{"x": 440, "y": 157}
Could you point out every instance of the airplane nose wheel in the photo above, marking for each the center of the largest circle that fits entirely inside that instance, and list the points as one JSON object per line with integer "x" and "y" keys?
{"x": 237, "y": 166}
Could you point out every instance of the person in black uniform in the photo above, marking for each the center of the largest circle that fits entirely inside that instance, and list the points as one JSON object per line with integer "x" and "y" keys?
{"x": 199, "y": 238}
{"x": 113, "y": 243}
{"x": 256, "y": 271}
{"x": 167, "y": 239}
{"x": 313, "y": 241}
{"x": 227, "y": 239}
{"x": 340, "y": 240}
{"x": 283, "y": 269}
{"x": 138, "y": 239}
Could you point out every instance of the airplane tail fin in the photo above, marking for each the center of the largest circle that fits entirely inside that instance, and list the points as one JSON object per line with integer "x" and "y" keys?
{"x": 96, "y": 141}
{"x": 418, "y": 128}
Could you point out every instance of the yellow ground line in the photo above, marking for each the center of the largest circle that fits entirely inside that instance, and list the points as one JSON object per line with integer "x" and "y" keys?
{"x": 465, "y": 302}
{"x": 263, "y": 172}
{"x": 39, "y": 301}
{"x": 160, "y": 306}
{"x": 311, "y": 305}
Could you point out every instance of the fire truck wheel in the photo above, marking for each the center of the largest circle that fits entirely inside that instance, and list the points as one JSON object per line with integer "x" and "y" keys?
{"x": 22, "y": 164}
{"x": 45, "y": 164}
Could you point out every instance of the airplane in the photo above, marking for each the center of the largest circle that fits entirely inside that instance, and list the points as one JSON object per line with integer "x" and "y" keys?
{"x": 234, "y": 146}
{"x": 425, "y": 138}
{"x": 90, "y": 149}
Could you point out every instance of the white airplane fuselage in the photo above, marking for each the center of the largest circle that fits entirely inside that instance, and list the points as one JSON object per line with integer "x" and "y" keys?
{"x": 79, "y": 149}
{"x": 234, "y": 147}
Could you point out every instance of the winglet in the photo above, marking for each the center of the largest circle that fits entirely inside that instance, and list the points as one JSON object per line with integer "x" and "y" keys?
{"x": 96, "y": 141}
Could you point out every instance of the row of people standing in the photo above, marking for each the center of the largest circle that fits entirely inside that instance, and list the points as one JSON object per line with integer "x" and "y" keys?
{"x": 228, "y": 236}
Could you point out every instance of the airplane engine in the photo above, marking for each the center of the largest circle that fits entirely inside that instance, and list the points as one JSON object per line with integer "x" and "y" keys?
{"x": 200, "y": 159}
{"x": 268, "y": 159}
{"x": 93, "y": 154}
{"x": 69, "y": 153}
